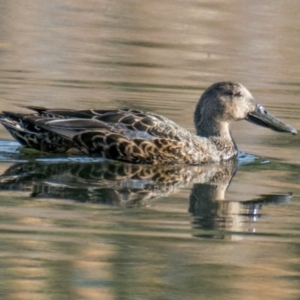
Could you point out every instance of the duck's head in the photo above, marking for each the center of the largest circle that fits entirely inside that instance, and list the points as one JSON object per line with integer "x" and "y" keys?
{"x": 225, "y": 102}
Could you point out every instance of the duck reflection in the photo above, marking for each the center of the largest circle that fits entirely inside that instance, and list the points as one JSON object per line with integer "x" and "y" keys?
{"x": 109, "y": 182}
{"x": 128, "y": 185}
{"x": 213, "y": 212}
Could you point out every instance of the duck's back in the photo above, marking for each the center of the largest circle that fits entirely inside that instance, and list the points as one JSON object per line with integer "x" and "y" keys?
{"x": 127, "y": 135}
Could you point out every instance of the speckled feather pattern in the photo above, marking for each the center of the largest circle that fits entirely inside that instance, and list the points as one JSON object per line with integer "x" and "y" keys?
{"x": 126, "y": 135}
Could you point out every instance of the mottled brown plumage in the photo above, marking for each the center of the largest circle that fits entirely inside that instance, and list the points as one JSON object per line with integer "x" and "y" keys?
{"x": 143, "y": 137}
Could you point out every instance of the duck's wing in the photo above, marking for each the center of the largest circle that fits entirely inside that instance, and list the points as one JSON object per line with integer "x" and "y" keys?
{"x": 135, "y": 120}
{"x": 115, "y": 140}
{"x": 127, "y": 135}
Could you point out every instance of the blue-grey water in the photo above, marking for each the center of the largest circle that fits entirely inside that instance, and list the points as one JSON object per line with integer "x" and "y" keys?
{"x": 83, "y": 228}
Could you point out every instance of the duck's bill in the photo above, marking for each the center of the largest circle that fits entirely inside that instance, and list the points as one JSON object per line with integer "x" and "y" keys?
{"x": 261, "y": 117}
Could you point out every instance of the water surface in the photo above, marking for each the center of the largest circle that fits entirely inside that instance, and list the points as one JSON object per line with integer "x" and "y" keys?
{"x": 73, "y": 228}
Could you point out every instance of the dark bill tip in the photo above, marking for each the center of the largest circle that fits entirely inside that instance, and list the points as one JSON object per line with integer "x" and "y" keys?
{"x": 294, "y": 131}
{"x": 261, "y": 117}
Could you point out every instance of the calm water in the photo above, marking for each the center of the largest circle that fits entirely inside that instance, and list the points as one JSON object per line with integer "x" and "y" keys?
{"x": 73, "y": 228}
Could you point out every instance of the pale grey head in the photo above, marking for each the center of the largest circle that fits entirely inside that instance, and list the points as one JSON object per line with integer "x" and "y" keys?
{"x": 225, "y": 102}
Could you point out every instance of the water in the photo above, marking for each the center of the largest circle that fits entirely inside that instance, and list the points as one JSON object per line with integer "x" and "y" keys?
{"x": 73, "y": 228}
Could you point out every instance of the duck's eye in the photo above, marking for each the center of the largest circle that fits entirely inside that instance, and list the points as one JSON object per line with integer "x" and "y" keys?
{"x": 238, "y": 94}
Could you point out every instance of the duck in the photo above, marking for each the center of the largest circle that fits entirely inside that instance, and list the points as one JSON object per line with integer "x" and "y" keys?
{"x": 139, "y": 137}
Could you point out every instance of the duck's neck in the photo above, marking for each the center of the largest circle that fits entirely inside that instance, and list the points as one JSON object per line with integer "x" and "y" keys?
{"x": 219, "y": 134}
